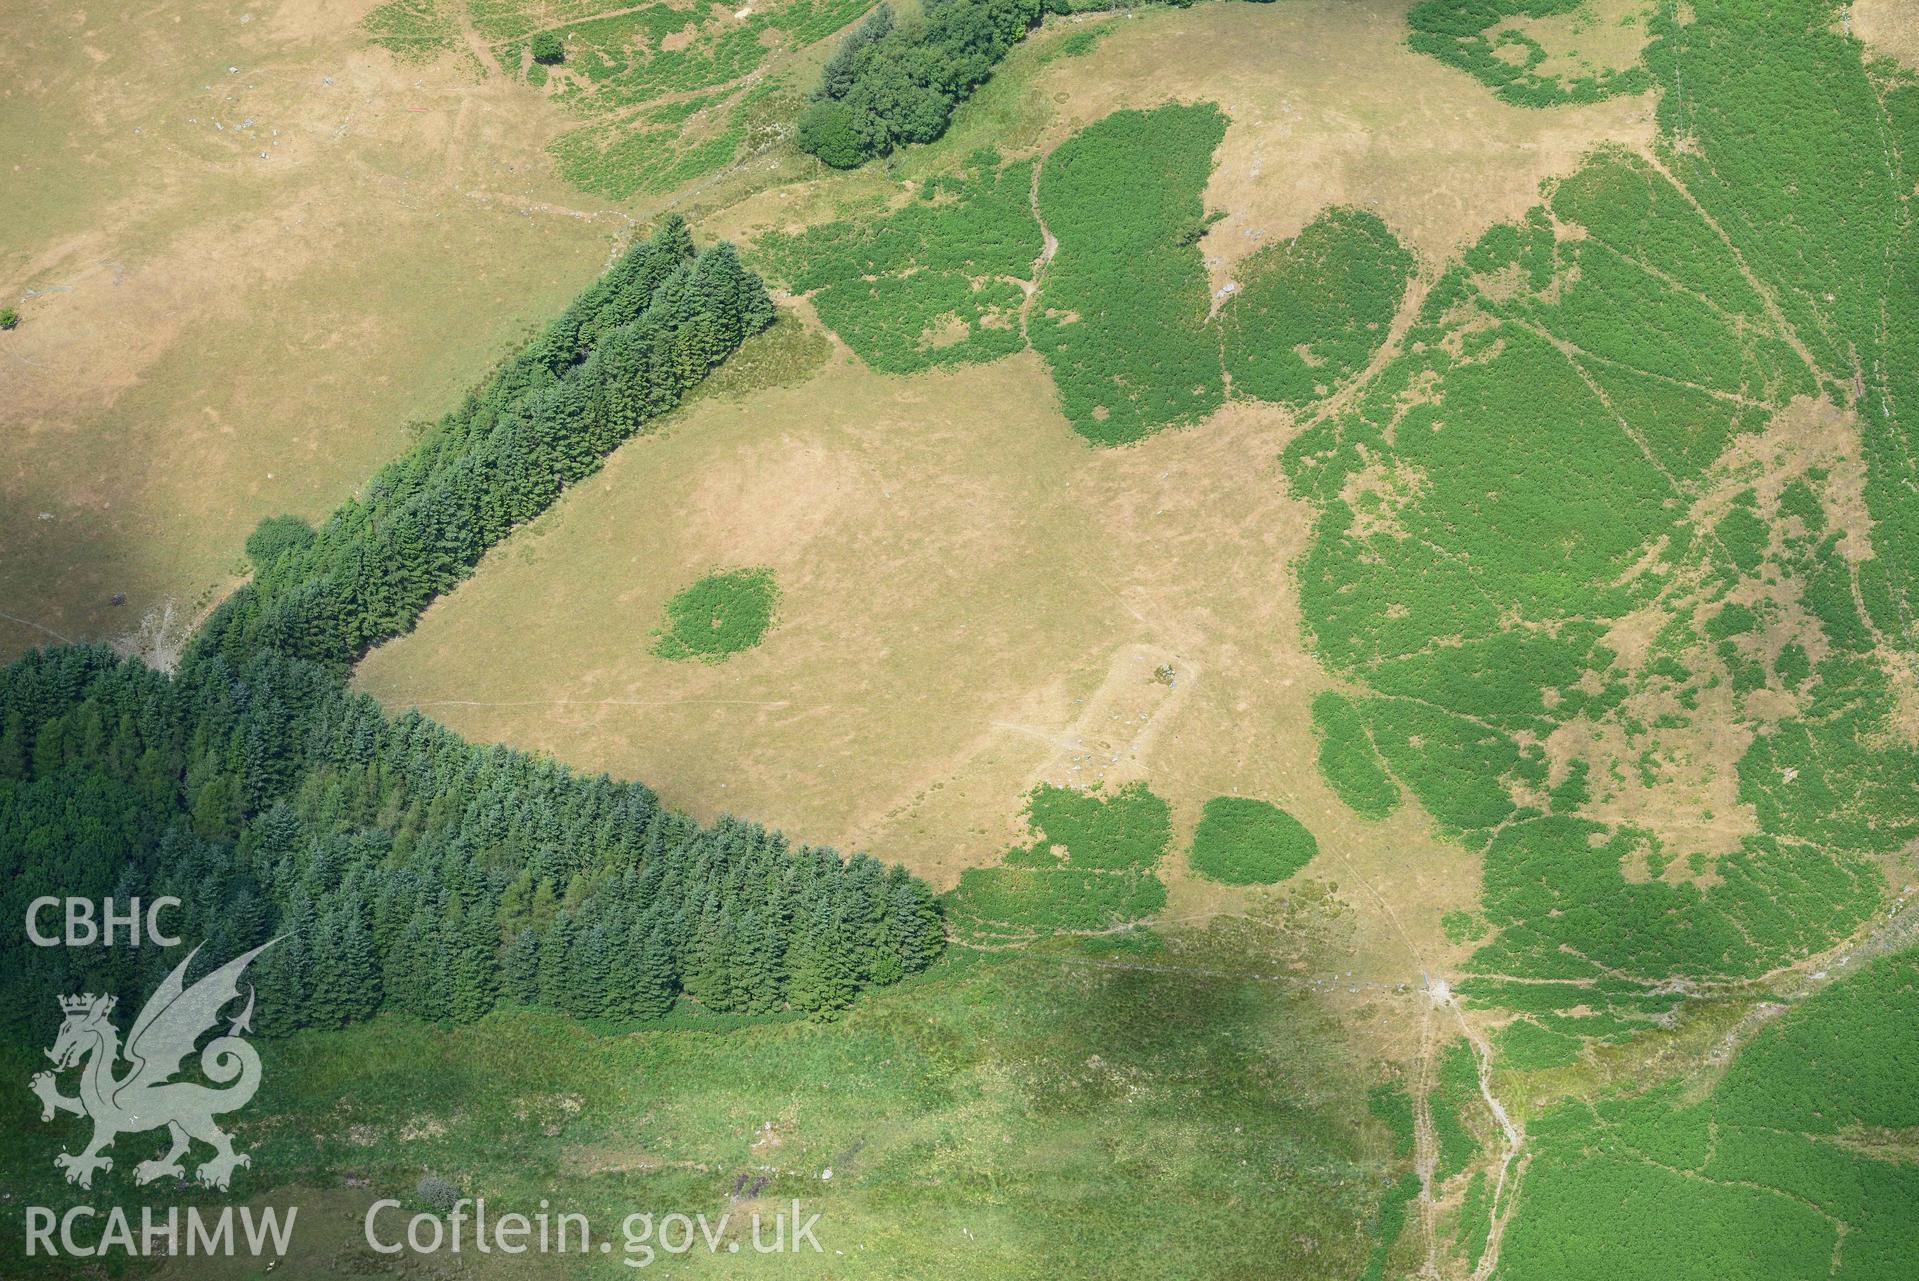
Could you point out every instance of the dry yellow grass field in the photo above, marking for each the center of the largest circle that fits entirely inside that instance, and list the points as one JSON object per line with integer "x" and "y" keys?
{"x": 973, "y": 601}
{"x": 247, "y": 249}
{"x": 1889, "y": 27}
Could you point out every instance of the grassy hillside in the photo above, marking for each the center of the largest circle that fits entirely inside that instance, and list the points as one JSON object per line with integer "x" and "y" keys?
{"x": 1000, "y": 1116}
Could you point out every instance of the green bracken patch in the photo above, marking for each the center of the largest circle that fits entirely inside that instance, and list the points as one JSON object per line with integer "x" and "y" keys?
{"x": 1310, "y": 312}
{"x": 1454, "y": 1103}
{"x": 413, "y": 30}
{"x": 719, "y": 616}
{"x": 1087, "y": 868}
{"x": 1242, "y": 841}
{"x": 1125, "y": 830}
{"x": 1348, "y": 760}
{"x": 935, "y": 282}
{"x": 1560, "y": 399}
{"x": 1508, "y": 61}
{"x": 664, "y": 94}
{"x": 1120, "y": 311}
{"x": 1565, "y": 438}
{"x": 1121, "y": 316}
{"x": 1797, "y": 1158}
{"x": 1524, "y": 1044}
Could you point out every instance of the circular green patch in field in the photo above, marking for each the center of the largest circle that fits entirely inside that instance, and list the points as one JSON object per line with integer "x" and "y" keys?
{"x": 1241, "y": 841}
{"x": 718, "y": 616}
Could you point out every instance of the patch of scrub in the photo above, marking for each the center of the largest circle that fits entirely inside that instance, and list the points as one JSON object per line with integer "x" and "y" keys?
{"x": 1309, "y": 312}
{"x": 1392, "y": 1105}
{"x": 1797, "y": 1158}
{"x": 1126, "y": 830}
{"x": 1121, "y": 316}
{"x": 1571, "y": 608}
{"x": 1242, "y": 841}
{"x": 666, "y": 147}
{"x": 937, "y": 282}
{"x": 718, "y": 616}
{"x": 413, "y": 30}
{"x": 665, "y": 94}
{"x": 1503, "y": 44}
{"x": 1087, "y": 867}
{"x": 1525, "y": 1045}
{"x": 1118, "y": 308}
{"x": 1330, "y": 108}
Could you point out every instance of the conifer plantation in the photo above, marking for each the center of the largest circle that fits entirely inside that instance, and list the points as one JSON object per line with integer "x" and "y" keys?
{"x": 624, "y": 353}
{"x": 402, "y": 867}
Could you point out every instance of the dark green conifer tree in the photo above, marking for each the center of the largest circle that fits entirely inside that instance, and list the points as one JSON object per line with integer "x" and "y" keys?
{"x": 280, "y": 983}
{"x": 556, "y": 946}
{"x": 711, "y": 958}
{"x": 520, "y": 968}
{"x": 359, "y": 970}
{"x": 475, "y": 982}
{"x": 759, "y": 971}
{"x": 820, "y": 969}
{"x": 653, "y": 984}
{"x": 589, "y": 976}
{"x": 13, "y": 745}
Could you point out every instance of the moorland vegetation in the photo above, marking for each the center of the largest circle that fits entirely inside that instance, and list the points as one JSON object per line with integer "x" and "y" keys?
{"x": 1089, "y": 867}
{"x": 1120, "y": 311}
{"x": 1640, "y": 473}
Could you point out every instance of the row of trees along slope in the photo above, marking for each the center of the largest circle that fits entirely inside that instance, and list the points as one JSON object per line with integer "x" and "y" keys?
{"x": 624, "y": 353}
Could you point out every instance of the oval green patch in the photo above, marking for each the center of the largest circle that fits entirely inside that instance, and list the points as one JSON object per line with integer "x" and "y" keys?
{"x": 1241, "y": 841}
{"x": 718, "y": 616}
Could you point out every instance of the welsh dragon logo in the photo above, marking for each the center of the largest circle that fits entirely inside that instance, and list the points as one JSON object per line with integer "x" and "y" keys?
{"x": 144, "y": 1097}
